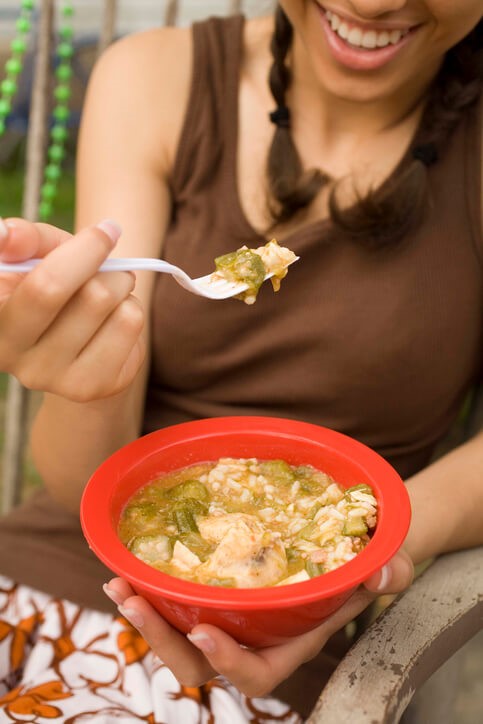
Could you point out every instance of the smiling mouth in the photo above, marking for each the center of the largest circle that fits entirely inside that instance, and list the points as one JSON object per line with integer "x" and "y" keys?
{"x": 362, "y": 38}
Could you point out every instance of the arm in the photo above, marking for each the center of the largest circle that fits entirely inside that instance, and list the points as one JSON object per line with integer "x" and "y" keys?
{"x": 447, "y": 503}
{"x": 127, "y": 146}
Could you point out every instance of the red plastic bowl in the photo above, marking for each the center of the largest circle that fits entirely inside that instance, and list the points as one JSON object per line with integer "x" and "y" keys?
{"x": 261, "y": 616}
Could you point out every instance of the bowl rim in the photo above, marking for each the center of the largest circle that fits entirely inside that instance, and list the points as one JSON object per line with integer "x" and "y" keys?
{"x": 96, "y": 522}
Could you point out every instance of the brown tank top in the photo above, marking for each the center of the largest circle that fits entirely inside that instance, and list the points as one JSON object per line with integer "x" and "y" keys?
{"x": 382, "y": 346}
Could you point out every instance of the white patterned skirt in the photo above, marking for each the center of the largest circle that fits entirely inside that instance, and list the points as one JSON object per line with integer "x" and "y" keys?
{"x": 63, "y": 663}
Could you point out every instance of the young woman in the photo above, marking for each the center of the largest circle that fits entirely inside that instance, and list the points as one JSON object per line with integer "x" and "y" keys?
{"x": 362, "y": 153}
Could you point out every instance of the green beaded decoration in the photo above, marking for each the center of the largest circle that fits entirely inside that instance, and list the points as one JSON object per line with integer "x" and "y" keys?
{"x": 14, "y": 65}
{"x": 61, "y": 113}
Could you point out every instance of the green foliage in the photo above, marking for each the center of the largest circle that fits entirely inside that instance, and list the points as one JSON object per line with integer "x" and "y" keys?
{"x": 11, "y": 192}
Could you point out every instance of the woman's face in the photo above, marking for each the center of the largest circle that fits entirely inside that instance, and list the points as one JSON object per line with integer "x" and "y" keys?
{"x": 365, "y": 50}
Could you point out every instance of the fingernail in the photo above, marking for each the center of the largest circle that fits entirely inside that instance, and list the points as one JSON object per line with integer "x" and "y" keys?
{"x": 385, "y": 578}
{"x": 111, "y": 228}
{"x": 113, "y": 595}
{"x": 203, "y": 642}
{"x": 3, "y": 230}
{"x": 132, "y": 616}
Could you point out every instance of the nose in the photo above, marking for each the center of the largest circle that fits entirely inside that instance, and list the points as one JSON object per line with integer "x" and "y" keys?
{"x": 371, "y": 9}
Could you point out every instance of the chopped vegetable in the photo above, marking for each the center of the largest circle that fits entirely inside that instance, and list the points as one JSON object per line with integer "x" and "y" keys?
{"x": 354, "y": 526}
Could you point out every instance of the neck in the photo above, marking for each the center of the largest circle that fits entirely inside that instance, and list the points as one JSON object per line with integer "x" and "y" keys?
{"x": 358, "y": 114}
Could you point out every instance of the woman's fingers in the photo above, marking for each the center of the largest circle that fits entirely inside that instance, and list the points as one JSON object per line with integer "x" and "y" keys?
{"x": 20, "y": 239}
{"x": 113, "y": 355}
{"x": 394, "y": 577}
{"x": 185, "y": 661}
{"x": 38, "y": 299}
{"x": 66, "y": 328}
{"x": 82, "y": 316}
{"x": 118, "y": 590}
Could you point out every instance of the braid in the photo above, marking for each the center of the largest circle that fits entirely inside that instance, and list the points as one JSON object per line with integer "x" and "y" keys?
{"x": 384, "y": 216}
{"x": 280, "y": 75}
{"x": 290, "y": 188}
{"x": 457, "y": 86}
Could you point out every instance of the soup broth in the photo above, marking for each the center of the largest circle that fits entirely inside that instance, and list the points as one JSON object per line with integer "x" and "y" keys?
{"x": 248, "y": 523}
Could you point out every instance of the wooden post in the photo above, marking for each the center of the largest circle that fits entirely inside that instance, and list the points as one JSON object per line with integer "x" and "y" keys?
{"x": 17, "y": 396}
{"x": 235, "y": 7}
{"x": 108, "y": 28}
{"x": 171, "y": 12}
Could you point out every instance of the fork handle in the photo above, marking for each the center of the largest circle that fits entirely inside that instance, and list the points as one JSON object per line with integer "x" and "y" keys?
{"x": 121, "y": 264}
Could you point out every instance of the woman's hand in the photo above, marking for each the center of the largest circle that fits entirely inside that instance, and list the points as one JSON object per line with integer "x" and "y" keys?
{"x": 64, "y": 328}
{"x": 207, "y": 651}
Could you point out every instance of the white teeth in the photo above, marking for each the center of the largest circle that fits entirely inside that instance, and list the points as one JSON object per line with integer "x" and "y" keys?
{"x": 369, "y": 39}
{"x": 334, "y": 22}
{"x": 361, "y": 38}
{"x": 343, "y": 30}
{"x": 382, "y": 39}
{"x": 395, "y": 36}
{"x": 355, "y": 37}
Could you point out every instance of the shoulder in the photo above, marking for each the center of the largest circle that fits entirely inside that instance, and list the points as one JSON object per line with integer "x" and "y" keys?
{"x": 144, "y": 81}
{"x": 147, "y": 55}
{"x": 257, "y": 34}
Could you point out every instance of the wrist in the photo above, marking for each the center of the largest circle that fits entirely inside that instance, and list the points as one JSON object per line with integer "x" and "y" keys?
{"x": 434, "y": 521}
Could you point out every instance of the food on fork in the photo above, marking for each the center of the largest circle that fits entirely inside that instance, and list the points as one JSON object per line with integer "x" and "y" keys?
{"x": 251, "y": 266}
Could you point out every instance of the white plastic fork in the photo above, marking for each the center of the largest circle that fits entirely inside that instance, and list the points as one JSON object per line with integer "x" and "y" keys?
{"x": 210, "y": 286}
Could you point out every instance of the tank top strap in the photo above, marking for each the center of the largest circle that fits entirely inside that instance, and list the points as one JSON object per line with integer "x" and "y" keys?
{"x": 210, "y": 122}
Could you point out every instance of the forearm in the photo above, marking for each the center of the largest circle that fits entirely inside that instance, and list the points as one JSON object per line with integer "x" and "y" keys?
{"x": 447, "y": 503}
{"x": 70, "y": 440}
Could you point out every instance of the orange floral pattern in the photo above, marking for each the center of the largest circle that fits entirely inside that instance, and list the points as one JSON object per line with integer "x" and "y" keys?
{"x": 61, "y": 663}
{"x": 32, "y": 702}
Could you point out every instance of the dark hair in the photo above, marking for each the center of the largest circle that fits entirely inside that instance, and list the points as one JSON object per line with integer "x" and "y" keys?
{"x": 386, "y": 214}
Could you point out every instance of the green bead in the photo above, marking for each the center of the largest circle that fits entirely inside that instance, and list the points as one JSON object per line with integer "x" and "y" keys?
{"x": 18, "y": 46}
{"x": 61, "y": 113}
{"x": 5, "y": 107}
{"x": 63, "y": 72}
{"x": 66, "y": 32}
{"x": 48, "y": 191}
{"x": 67, "y": 10}
{"x": 27, "y": 4}
{"x": 52, "y": 172}
{"x": 62, "y": 92}
{"x": 56, "y": 153}
{"x": 23, "y": 25}
{"x": 59, "y": 133}
{"x": 9, "y": 88}
{"x": 65, "y": 50}
{"x": 13, "y": 66}
{"x": 45, "y": 210}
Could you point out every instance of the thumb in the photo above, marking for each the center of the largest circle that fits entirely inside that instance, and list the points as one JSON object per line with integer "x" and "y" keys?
{"x": 394, "y": 577}
{"x": 21, "y": 240}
